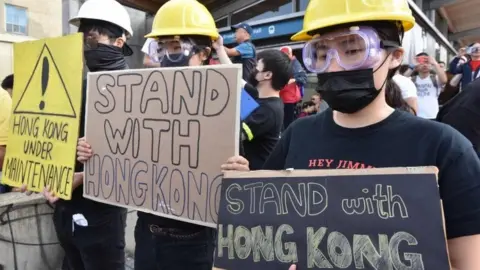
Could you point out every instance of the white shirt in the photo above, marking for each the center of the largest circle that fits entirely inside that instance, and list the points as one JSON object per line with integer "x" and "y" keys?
{"x": 427, "y": 97}
{"x": 150, "y": 48}
{"x": 406, "y": 85}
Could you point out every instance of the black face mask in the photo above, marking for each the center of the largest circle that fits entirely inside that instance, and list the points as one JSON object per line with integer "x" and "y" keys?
{"x": 105, "y": 57}
{"x": 252, "y": 79}
{"x": 184, "y": 62}
{"x": 348, "y": 91}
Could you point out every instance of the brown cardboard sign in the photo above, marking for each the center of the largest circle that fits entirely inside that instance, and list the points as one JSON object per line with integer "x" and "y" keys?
{"x": 388, "y": 218}
{"x": 159, "y": 137}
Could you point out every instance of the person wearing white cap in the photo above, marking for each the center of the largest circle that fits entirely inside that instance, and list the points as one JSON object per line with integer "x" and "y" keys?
{"x": 91, "y": 233}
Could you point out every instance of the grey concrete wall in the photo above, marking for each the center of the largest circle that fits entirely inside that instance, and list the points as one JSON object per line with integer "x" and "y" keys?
{"x": 28, "y": 239}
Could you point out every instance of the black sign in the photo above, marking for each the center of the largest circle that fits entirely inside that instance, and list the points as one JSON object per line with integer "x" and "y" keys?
{"x": 368, "y": 221}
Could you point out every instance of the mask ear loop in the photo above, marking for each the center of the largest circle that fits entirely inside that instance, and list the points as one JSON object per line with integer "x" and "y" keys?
{"x": 386, "y": 79}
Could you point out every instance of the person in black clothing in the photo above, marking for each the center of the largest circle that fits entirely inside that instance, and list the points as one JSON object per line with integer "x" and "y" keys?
{"x": 165, "y": 243}
{"x": 261, "y": 130}
{"x": 360, "y": 130}
{"x": 92, "y": 234}
{"x": 463, "y": 113}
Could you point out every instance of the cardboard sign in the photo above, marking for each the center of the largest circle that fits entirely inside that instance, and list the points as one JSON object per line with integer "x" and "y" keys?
{"x": 159, "y": 137}
{"x": 332, "y": 219}
{"x": 47, "y": 99}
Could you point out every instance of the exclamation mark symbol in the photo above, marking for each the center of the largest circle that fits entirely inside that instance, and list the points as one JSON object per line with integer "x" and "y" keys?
{"x": 45, "y": 72}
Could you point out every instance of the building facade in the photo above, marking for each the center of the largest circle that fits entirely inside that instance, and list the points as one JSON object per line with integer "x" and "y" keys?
{"x": 273, "y": 24}
{"x": 23, "y": 20}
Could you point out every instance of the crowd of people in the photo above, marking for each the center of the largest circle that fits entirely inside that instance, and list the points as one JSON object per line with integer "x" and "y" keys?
{"x": 367, "y": 108}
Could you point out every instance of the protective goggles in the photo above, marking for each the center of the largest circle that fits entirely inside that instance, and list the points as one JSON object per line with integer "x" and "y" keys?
{"x": 356, "y": 48}
{"x": 474, "y": 49}
{"x": 177, "y": 49}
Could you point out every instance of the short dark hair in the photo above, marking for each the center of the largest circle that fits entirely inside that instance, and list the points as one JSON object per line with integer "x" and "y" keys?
{"x": 7, "y": 83}
{"x": 422, "y": 54}
{"x": 279, "y": 64}
{"x": 108, "y": 29}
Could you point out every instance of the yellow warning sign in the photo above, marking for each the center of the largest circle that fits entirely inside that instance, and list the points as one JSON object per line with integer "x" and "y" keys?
{"x": 47, "y": 99}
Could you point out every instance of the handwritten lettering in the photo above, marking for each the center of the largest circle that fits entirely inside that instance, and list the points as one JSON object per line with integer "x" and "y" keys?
{"x": 265, "y": 244}
{"x": 155, "y": 135}
{"x": 242, "y": 242}
{"x": 382, "y": 204}
{"x": 306, "y": 199}
{"x": 38, "y": 175}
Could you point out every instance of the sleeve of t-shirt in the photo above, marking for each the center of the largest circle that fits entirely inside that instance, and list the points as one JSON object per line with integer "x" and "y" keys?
{"x": 459, "y": 181}
{"x": 258, "y": 123}
{"x": 5, "y": 111}
{"x": 146, "y": 46}
{"x": 245, "y": 50}
{"x": 407, "y": 87}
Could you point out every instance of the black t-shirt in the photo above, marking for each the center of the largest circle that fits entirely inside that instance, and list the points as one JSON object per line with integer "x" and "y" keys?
{"x": 93, "y": 211}
{"x": 463, "y": 113}
{"x": 261, "y": 131}
{"x": 401, "y": 140}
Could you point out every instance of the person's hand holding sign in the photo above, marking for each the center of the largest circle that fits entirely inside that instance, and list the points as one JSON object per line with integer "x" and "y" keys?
{"x": 84, "y": 150}
{"x": 236, "y": 163}
{"x": 50, "y": 195}
{"x": 23, "y": 189}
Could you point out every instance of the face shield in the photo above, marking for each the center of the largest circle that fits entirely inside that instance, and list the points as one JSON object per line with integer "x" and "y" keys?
{"x": 176, "y": 51}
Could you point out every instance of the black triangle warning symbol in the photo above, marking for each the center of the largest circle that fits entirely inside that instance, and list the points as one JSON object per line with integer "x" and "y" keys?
{"x": 46, "y": 93}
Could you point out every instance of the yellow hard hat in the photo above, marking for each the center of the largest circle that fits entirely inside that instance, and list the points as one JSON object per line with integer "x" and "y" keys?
{"x": 325, "y": 13}
{"x": 183, "y": 17}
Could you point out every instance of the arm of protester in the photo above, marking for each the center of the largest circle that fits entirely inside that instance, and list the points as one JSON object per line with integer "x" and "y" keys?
{"x": 222, "y": 54}
{"x": 50, "y": 195}
{"x": 413, "y": 103}
{"x": 84, "y": 150}
{"x": 5, "y": 111}
{"x": 463, "y": 252}
{"x": 257, "y": 123}
{"x": 148, "y": 62}
{"x": 460, "y": 189}
{"x": 442, "y": 75}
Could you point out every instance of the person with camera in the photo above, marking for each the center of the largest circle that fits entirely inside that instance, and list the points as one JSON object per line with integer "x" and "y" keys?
{"x": 429, "y": 78}
{"x": 467, "y": 63}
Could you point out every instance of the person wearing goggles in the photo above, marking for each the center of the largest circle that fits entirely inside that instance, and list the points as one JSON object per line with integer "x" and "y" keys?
{"x": 468, "y": 64}
{"x": 355, "y": 49}
{"x": 183, "y": 30}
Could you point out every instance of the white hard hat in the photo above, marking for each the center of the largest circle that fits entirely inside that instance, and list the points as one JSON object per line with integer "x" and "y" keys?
{"x": 104, "y": 10}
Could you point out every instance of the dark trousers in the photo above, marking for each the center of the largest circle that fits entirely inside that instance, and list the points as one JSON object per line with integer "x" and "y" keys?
{"x": 288, "y": 114}
{"x": 159, "y": 248}
{"x": 98, "y": 246}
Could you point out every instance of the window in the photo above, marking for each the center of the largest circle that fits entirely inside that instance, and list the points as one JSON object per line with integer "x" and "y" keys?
{"x": 302, "y": 5}
{"x": 16, "y": 20}
{"x": 223, "y": 22}
{"x": 263, "y": 10}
